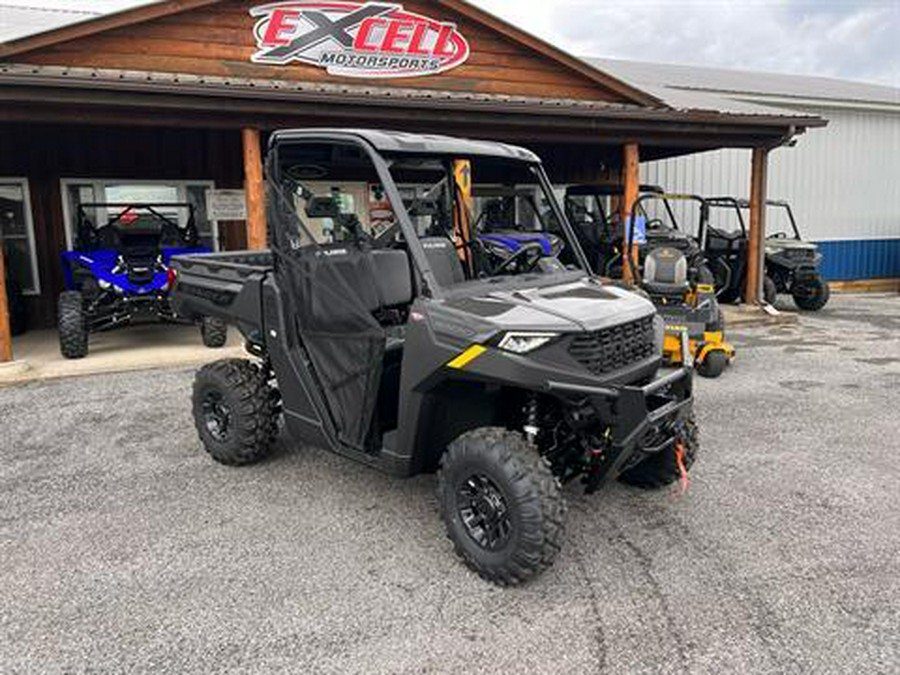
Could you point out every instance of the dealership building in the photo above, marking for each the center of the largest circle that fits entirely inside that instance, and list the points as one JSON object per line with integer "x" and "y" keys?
{"x": 843, "y": 182}
{"x": 173, "y": 101}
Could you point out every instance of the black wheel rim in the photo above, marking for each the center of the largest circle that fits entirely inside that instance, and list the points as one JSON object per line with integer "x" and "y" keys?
{"x": 484, "y": 512}
{"x": 216, "y": 415}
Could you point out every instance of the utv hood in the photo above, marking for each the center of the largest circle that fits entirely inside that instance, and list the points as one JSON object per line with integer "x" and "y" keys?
{"x": 583, "y": 305}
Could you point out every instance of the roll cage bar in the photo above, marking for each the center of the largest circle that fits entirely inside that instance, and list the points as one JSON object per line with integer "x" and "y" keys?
{"x": 667, "y": 198}
{"x": 609, "y": 190}
{"x": 283, "y": 241}
{"x": 740, "y": 205}
{"x": 88, "y": 228}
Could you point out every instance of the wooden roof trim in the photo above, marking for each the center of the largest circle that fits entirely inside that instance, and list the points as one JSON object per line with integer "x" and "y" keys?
{"x": 633, "y": 94}
{"x": 98, "y": 25}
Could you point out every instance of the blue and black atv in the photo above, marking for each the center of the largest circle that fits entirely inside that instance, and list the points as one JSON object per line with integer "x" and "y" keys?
{"x": 514, "y": 232}
{"x": 120, "y": 271}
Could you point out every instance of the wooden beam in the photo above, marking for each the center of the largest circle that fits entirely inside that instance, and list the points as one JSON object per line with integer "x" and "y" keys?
{"x": 6, "y": 352}
{"x": 631, "y": 180}
{"x": 756, "y": 253}
{"x": 253, "y": 187}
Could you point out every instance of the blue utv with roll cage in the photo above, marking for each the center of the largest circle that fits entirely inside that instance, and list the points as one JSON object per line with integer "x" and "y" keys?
{"x": 120, "y": 270}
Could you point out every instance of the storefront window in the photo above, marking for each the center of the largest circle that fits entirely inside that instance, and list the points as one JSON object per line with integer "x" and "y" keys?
{"x": 80, "y": 192}
{"x": 17, "y": 234}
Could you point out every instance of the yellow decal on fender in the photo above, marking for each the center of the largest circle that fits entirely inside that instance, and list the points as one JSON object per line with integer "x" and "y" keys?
{"x": 467, "y": 357}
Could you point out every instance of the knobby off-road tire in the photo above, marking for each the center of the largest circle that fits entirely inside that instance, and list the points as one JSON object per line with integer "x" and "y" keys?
{"x": 214, "y": 332}
{"x": 815, "y": 297}
{"x": 236, "y": 411}
{"x": 500, "y": 472}
{"x": 73, "y": 333}
{"x": 662, "y": 469}
{"x": 770, "y": 290}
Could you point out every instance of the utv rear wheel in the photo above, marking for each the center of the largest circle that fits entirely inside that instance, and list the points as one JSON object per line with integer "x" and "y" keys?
{"x": 501, "y": 504}
{"x": 214, "y": 332}
{"x": 770, "y": 290}
{"x": 813, "y": 296}
{"x": 713, "y": 364}
{"x": 235, "y": 411}
{"x": 73, "y": 334}
{"x": 662, "y": 469}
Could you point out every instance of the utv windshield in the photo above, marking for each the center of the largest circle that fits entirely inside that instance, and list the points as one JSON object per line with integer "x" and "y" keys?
{"x": 479, "y": 219}
{"x": 484, "y": 219}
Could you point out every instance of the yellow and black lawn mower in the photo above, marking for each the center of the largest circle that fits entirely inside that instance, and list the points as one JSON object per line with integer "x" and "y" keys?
{"x": 670, "y": 267}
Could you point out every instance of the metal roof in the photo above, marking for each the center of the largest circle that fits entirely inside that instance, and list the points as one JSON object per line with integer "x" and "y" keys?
{"x": 370, "y": 94}
{"x": 681, "y": 83}
{"x": 18, "y": 22}
{"x": 407, "y": 143}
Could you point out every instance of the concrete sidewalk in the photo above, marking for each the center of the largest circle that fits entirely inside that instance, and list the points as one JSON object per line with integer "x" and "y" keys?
{"x": 137, "y": 347}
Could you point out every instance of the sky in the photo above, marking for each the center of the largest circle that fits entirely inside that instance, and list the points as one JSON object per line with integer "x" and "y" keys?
{"x": 854, "y": 39}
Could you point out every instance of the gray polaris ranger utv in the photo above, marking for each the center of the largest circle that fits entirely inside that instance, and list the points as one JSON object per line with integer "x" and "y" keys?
{"x": 385, "y": 331}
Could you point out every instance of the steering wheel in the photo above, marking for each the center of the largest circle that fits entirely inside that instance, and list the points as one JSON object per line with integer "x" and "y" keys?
{"x": 530, "y": 253}
{"x": 655, "y": 224}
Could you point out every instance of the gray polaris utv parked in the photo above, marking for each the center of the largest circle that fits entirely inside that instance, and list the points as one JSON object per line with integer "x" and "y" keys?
{"x": 384, "y": 331}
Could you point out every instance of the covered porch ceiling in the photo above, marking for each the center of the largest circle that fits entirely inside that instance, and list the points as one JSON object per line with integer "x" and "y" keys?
{"x": 122, "y": 97}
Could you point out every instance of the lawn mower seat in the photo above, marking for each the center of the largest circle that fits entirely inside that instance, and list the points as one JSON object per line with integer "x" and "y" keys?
{"x": 666, "y": 273}
{"x": 444, "y": 260}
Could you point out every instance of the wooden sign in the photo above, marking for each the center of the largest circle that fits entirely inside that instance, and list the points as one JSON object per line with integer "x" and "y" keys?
{"x": 357, "y": 39}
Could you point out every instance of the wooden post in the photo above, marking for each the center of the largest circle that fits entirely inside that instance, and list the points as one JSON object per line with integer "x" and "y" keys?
{"x": 253, "y": 187}
{"x": 756, "y": 253}
{"x": 631, "y": 180}
{"x": 6, "y": 352}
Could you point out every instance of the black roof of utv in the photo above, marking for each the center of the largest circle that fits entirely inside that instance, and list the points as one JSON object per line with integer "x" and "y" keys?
{"x": 400, "y": 141}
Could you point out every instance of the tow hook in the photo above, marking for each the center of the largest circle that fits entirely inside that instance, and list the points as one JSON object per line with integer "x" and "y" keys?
{"x": 683, "y": 479}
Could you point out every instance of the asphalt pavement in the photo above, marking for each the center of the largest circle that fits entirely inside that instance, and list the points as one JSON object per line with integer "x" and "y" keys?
{"x": 125, "y": 549}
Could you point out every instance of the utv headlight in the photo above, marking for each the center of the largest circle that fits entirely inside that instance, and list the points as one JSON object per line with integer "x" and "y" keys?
{"x": 522, "y": 343}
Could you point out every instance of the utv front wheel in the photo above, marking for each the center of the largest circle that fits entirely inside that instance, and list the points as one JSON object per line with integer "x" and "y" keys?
{"x": 501, "y": 504}
{"x": 235, "y": 411}
{"x": 73, "y": 334}
{"x": 663, "y": 468}
{"x": 214, "y": 332}
{"x": 813, "y": 296}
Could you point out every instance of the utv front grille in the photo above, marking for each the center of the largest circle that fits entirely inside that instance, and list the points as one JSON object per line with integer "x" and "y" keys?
{"x": 610, "y": 349}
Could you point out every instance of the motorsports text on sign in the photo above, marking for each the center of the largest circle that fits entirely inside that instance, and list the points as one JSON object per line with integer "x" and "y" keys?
{"x": 226, "y": 205}
{"x": 355, "y": 39}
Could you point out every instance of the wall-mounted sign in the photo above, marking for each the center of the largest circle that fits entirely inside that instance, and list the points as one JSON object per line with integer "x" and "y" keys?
{"x": 357, "y": 39}
{"x": 226, "y": 205}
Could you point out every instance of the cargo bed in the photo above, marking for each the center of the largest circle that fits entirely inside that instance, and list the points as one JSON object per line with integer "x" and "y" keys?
{"x": 227, "y": 286}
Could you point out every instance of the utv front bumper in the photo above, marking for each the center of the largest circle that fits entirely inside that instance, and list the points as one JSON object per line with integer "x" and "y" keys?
{"x": 643, "y": 420}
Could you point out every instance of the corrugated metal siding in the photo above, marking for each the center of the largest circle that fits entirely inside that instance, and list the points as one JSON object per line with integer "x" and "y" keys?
{"x": 862, "y": 259}
{"x": 843, "y": 183}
